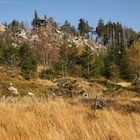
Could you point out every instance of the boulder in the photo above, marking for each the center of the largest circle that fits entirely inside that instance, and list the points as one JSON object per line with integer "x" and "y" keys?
{"x": 12, "y": 89}
{"x": 30, "y": 93}
{"x": 2, "y": 28}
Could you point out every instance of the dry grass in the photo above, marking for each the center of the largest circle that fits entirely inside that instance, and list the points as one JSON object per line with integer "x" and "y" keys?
{"x": 34, "y": 86}
{"x": 38, "y": 119}
{"x": 33, "y": 118}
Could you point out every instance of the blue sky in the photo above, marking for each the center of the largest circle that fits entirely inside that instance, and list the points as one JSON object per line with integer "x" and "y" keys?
{"x": 125, "y": 11}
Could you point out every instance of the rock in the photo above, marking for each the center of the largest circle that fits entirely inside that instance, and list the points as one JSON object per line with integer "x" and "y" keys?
{"x": 12, "y": 89}
{"x": 2, "y": 28}
{"x": 30, "y": 93}
{"x": 20, "y": 33}
{"x": 85, "y": 95}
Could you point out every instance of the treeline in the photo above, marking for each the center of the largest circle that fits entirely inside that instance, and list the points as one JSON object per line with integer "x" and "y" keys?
{"x": 53, "y": 57}
{"x": 68, "y": 60}
{"x": 115, "y": 33}
{"x": 105, "y": 33}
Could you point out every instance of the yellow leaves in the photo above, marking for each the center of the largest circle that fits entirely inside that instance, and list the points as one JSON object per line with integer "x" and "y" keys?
{"x": 134, "y": 57}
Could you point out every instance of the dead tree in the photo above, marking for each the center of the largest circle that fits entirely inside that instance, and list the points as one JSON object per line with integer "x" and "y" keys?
{"x": 99, "y": 103}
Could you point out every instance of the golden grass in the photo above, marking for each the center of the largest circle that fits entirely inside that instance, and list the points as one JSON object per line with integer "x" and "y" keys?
{"x": 33, "y": 118}
{"x": 39, "y": 119}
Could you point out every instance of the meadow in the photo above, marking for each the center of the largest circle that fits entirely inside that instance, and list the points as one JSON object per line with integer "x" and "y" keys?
{"x": 37, "y": 118}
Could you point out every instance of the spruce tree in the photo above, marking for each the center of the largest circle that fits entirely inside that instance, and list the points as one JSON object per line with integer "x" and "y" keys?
{"x": 101, "y": 31}
{"x": 87, "y": 62}
{"x": 14, "y": 26}
{"x": 28, "y": 63}
{"x": 35, "y": 19}
{"x": 10, "y": 58}
{"x": 84, "y": 28}
{"x": 66, "y": 27}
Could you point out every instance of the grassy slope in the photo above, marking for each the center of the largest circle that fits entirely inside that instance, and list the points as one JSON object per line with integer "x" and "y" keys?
{"x": 23, "y": 86}
{"x": 32, "y": 118}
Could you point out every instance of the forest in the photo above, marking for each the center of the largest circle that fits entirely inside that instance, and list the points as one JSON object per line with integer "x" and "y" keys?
{"x": 49, "y": 50}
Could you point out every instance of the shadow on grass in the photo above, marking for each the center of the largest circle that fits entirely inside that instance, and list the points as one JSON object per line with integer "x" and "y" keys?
{"x": 128, "y": 107}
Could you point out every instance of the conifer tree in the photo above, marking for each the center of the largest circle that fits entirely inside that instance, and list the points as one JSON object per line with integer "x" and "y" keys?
{"x": 14, "y": 26}
{"x": 84, "y": 28}
{"x": 35, "y": 19}
{"x": 68, "y": 56}
{"x": 87, "y": 62}
{"x": 66, "y": 27}
{"x": 10, "y": 58}
{"x": 28, "y": 61}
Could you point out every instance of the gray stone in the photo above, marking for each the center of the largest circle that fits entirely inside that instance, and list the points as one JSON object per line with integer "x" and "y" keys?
{"x": 12, "y": 89}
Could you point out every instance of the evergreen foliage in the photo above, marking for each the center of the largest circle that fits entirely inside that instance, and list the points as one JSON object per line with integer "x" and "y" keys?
{"x": 47, "y": 74}
{"x": 87, "y": 62}
{"x": 28, "y": 62}
{"x": 84, "y": 28}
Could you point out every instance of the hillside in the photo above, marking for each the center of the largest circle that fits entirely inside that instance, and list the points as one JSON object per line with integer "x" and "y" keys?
{"x": 69, "y": 82}
{"x": 22, "y": 35}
